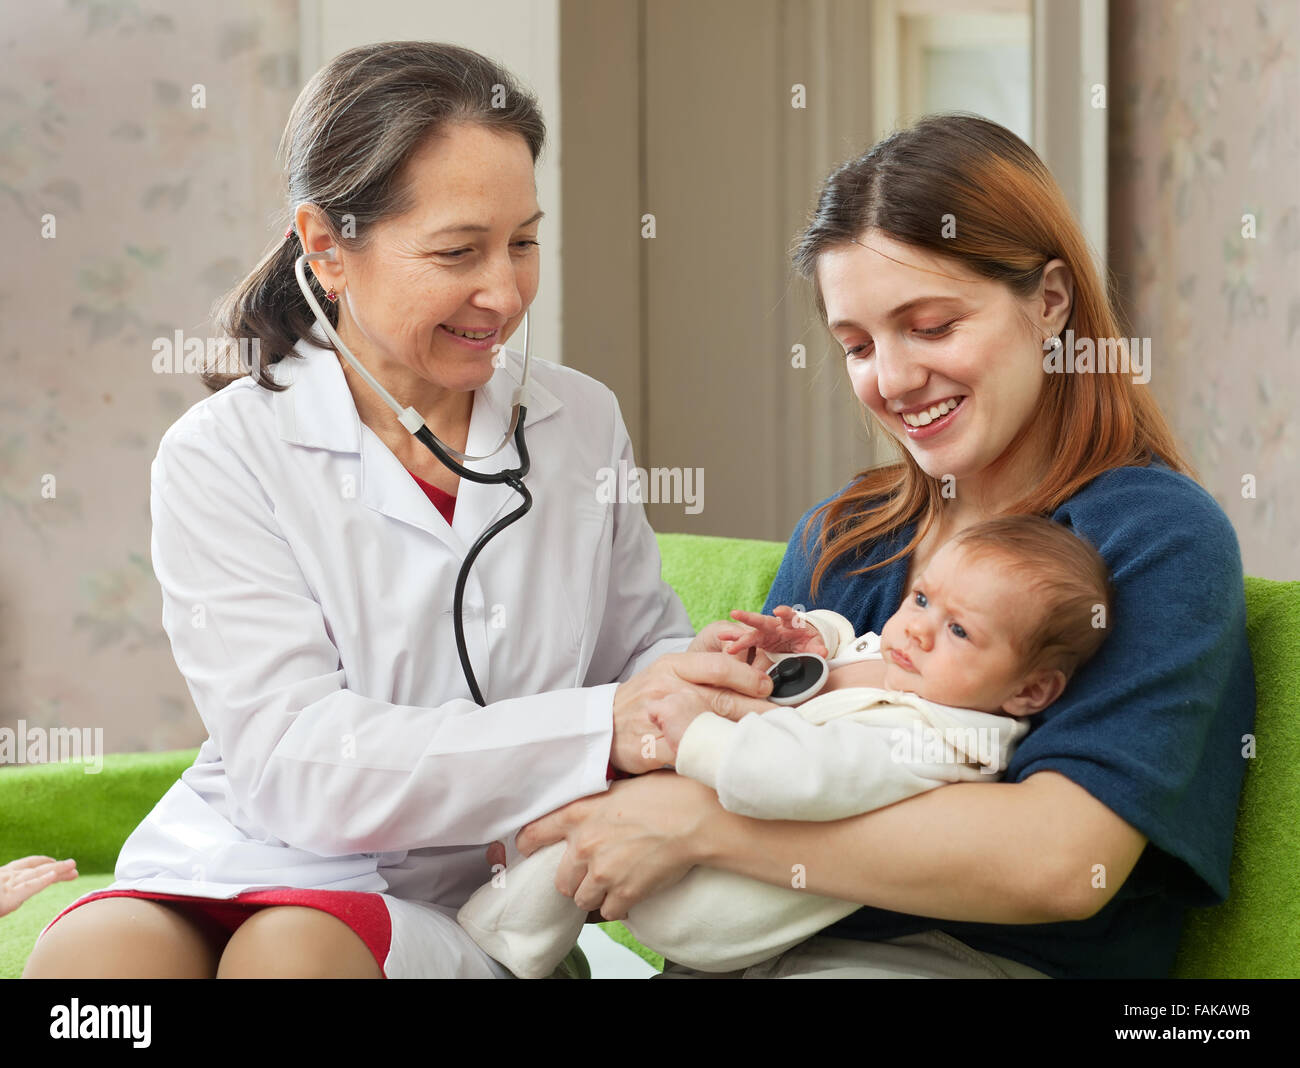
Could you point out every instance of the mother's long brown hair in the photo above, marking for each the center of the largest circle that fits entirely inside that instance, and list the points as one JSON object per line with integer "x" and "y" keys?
{"x": 1011, "y": 220}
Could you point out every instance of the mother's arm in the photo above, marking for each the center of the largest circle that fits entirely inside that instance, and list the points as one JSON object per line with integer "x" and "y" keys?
{"x": 976, "y": 852}
{"x": 1145, "y": 744}
{"x": 979, "y": 852}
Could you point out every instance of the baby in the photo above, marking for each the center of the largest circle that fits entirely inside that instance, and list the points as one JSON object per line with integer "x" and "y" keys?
{"x": 988, "y": 635}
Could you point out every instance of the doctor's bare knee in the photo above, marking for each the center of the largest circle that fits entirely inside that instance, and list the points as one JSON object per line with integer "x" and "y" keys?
{"x": 123, "y": 938}
{"x": 295, "y": 942}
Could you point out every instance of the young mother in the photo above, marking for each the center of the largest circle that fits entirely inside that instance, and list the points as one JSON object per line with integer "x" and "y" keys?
{"x": 946, "y": 264}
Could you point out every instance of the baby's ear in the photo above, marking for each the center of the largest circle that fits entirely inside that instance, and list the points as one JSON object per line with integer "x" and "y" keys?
{"x": 1037, "y": 690}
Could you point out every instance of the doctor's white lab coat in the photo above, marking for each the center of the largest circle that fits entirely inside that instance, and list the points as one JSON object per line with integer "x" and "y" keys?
{"x": 307, "y": 591}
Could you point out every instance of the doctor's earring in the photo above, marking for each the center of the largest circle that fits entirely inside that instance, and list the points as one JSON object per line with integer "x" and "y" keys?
{"x": 331, "y": 296}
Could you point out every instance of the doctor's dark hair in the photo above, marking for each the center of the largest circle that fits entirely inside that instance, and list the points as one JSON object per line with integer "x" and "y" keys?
{"x": 1009, "y": 219}
{"x": 350, "y": 134}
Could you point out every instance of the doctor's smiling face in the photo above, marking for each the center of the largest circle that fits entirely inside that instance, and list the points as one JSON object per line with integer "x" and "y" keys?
{"x": 949, "y": 363}
{"x": 462, "y": 260}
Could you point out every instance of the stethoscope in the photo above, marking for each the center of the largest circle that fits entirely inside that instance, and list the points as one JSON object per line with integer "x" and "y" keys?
{"x": 454, "y": 459}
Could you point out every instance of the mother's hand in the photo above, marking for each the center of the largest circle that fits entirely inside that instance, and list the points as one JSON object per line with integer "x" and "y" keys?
{"x": 711, "y": 682}
{"x": 640, "y": 836}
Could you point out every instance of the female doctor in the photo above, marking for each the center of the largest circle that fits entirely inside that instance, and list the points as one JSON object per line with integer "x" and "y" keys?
{"x": 307, "y": 547}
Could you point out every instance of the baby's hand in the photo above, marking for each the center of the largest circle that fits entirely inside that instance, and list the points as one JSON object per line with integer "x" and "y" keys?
{"x": 20, "y": 879}
{"x": 716, "y": 636}
{"x": 781, "y": 632}
{"x": 672, "y": 716}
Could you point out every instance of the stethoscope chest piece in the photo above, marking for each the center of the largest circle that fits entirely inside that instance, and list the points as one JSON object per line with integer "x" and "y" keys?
{"x": 797, "y": 678}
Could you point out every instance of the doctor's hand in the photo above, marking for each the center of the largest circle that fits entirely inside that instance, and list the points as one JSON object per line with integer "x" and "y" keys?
{"x": 708, "y": 682}
{"x": 639, "y": 836}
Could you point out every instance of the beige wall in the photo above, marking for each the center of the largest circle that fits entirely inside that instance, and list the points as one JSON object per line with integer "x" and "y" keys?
{"x": 683, "y": 110}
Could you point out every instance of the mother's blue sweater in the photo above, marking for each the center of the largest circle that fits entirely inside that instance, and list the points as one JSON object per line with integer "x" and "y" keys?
{"x": 1152, "y": 726}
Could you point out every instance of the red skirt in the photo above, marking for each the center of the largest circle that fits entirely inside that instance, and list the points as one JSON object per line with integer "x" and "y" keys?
{"x": 365, "y": 914}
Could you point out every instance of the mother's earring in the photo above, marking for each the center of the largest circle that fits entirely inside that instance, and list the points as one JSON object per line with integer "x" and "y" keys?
{"x": 331, "y": 296}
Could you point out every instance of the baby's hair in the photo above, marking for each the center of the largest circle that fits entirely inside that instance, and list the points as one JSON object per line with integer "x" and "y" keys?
{"x": 1071, "y": 576}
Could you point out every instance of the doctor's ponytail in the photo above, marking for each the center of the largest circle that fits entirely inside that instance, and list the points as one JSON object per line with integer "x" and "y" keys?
{"x": 349, "y": 135}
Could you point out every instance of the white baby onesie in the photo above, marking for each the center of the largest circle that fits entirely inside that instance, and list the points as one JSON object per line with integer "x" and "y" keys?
{"x": 837, "y": 755}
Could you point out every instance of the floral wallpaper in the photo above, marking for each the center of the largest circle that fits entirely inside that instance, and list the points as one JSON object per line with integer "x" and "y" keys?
{"x": 137, "y": 184}
{"x": 1204, "y": 200}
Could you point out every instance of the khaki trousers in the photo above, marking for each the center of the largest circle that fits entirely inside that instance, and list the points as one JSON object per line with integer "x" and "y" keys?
{"x": 928, "y": 955}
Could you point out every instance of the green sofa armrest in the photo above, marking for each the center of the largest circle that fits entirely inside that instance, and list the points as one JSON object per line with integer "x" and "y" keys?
{"x": 61, "y": 810}
{"x": 1255, "y": 934}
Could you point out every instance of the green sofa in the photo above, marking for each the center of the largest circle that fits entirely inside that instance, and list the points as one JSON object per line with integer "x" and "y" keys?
{"x": 60, "y": 811}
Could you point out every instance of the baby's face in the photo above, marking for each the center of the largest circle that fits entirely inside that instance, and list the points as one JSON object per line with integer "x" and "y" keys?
{"x": 953, "y": 639}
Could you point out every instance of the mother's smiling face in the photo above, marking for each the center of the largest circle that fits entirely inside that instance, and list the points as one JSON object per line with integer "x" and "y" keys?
{"x": 949, "y": 363}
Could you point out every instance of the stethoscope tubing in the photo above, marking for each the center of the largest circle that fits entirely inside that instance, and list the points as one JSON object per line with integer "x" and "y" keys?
{"x": 513, "y": 479}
